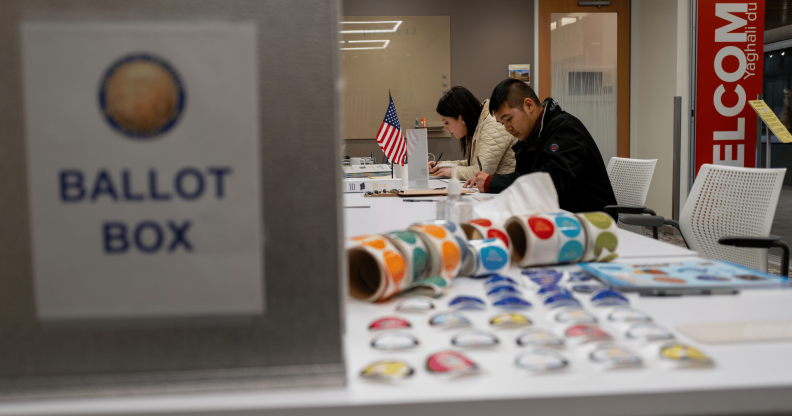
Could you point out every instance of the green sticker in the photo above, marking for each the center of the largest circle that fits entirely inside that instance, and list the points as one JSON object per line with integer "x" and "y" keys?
{"x": 406, "y": 236}
{"x": 609, "y": 257}
{"x": 420, "y": 263}
{"x": 599, "y": 219}
{"x": 606, "y": 240}
{"x": 435, "y": 280}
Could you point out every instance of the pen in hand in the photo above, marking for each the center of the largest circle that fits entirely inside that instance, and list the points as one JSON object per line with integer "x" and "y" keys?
{"x": 479, "y": 162}
{"x": 438, "y": 161}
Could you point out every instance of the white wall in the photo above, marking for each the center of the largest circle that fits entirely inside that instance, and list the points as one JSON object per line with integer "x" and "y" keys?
{"x": 659, "y": 71}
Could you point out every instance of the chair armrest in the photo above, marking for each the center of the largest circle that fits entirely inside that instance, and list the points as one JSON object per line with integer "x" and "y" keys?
{"x": 628, "y": 209}
{"x": 644, "y": 221}
{"x": 760, "y": 242}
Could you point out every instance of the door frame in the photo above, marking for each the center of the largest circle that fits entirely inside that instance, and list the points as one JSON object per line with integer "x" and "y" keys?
{"x": 622, "y": 8}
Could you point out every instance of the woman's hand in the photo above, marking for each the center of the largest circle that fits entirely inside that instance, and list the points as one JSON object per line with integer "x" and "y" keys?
{"x": 440, "y": 171}
{"x": 431, "y": 165}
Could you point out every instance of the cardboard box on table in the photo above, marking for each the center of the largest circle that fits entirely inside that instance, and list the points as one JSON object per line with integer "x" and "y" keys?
{"x": 176, "y": 303}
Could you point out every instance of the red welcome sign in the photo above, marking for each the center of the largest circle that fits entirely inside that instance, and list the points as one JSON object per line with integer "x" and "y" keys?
{"x": 728, "y": 75}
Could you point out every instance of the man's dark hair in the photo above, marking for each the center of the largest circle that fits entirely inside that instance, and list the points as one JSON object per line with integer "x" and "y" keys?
{"x": 512, "y": 92}
{"x": 458, "y": 101}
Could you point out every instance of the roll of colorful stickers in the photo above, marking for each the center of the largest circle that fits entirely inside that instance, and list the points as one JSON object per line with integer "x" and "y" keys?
{"x": 571, "y": 237}
{"x": 469, "y": 265}
{"x": 377, "y": 269}
{"x": 491, "y": 255}
{"x": 416, "y": 255}
{"x": 534, "y": 239}
{"x": 445, "y": 254}
{"x": 482, "y": 229}
{"x": 456, "y": 231}
{"x": 601, "y": 236}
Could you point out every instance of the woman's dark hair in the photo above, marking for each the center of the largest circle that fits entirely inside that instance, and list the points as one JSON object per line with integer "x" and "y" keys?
{"x": 458, "y": 101}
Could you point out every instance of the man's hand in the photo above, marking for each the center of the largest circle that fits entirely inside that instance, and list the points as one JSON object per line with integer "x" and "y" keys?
{"x": 477, "y": 181}
{"x": 431, "y": 164}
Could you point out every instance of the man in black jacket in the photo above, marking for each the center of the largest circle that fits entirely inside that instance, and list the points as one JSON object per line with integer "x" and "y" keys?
{"x": 549, "y": 140}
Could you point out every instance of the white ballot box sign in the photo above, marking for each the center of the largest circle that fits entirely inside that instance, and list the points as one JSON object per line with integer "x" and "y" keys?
{"x": 143, "y": 167}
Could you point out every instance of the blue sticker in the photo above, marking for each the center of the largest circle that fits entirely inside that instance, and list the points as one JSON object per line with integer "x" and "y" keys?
{"x": 450, "y": 225}
{"x": 460, "y": 299}
{"x": 470, "y": 306}
{"x": 561, "y": 299}
{"x": 579, "y": 277}
{"x": 568, "y": 225}
{"x": 551, "y": 290}
{"x": 587, "y": 288}
{"x": 607, "y": 293}
{"x": 549, "y": 277}
{"x": 503, "y": 290}
{"x": 500, "y": 280}
{"x": 513, "y": 303}
{"x": 571, "y": 251}
{"x": 609, "y": 297}
{"x": 493, "y": 257}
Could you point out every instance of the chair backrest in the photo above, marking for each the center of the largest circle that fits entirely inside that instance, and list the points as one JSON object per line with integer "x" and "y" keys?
{"x": 734, "y": 201}
{"x": 630, "y": 179}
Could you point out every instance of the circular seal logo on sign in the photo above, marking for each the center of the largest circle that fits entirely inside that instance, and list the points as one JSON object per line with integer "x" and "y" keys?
{"x": 141, "y": 96}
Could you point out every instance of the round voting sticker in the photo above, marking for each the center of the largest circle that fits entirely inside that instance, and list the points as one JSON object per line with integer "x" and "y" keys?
{"x": 541, "y": 360}
{"x": 450, "y": 362}
{"x": 474, "y": 338}
{"x": 510, "y": 320}
{"x": 448, "y": 320}
{"x": 387, "y": 371}
{"x": 539, "y": 338}
{"x": 394, "y": 341}
{"x": 390, "y": 322}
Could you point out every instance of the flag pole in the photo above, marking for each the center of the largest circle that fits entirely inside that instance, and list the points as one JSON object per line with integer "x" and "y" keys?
{"x": 389, "y": 96}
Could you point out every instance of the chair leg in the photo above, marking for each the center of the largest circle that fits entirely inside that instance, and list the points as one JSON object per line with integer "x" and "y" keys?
{"x": 785, "y": 258}
{"x": 654, "y": 232}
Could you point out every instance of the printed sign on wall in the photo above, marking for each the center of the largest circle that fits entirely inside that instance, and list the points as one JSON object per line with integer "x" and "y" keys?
{"x": 143, "y": 167}
{"x": 729, "y": 74}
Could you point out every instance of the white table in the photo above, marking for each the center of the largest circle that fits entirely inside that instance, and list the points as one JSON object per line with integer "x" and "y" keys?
{"x": 748, "y": 378}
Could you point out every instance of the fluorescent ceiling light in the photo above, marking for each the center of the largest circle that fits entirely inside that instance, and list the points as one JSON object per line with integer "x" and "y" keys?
{"x": 383, "y": 46}
{"x": 396, "y": 24}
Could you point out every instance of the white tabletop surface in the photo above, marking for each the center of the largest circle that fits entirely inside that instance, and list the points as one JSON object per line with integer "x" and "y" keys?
{"x": 748, "y": 378}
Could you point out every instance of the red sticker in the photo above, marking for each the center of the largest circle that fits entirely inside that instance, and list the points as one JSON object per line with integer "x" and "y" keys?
{"x": 389, "y": 322}
{"x": 450, "y": 361}
{"x": 481, "y": 221}
{"x": 587, "y": 331}
{"x": 541, "y": 227}
{"x": 493, "y": 233}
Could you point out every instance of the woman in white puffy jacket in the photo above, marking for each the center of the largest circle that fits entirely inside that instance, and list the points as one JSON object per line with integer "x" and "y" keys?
{"x": 463, "y": 114}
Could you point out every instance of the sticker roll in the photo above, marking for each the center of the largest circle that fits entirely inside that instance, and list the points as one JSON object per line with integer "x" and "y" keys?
{"x": 482, "y": 229}
{"x": 443, "y": 249}
{"x": 601, "y": 236}
{"x": 456, "y": 230}
{"x": 534, "y": 239}
{"x": 377, "y": 269}
{"x": 415, "y": 253}
{"x": 491, "y": 256}
{"x": 469, "y": 265}
{"x": 571, "y": 237}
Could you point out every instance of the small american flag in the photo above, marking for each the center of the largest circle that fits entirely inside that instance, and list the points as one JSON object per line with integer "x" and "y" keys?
{"x": 389, "y": 136}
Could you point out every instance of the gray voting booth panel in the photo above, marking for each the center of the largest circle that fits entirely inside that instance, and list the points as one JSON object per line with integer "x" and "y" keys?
{"x": 297, "y": 340}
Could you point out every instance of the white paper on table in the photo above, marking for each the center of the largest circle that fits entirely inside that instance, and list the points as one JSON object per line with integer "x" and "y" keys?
{"x": 533, "y": 193}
